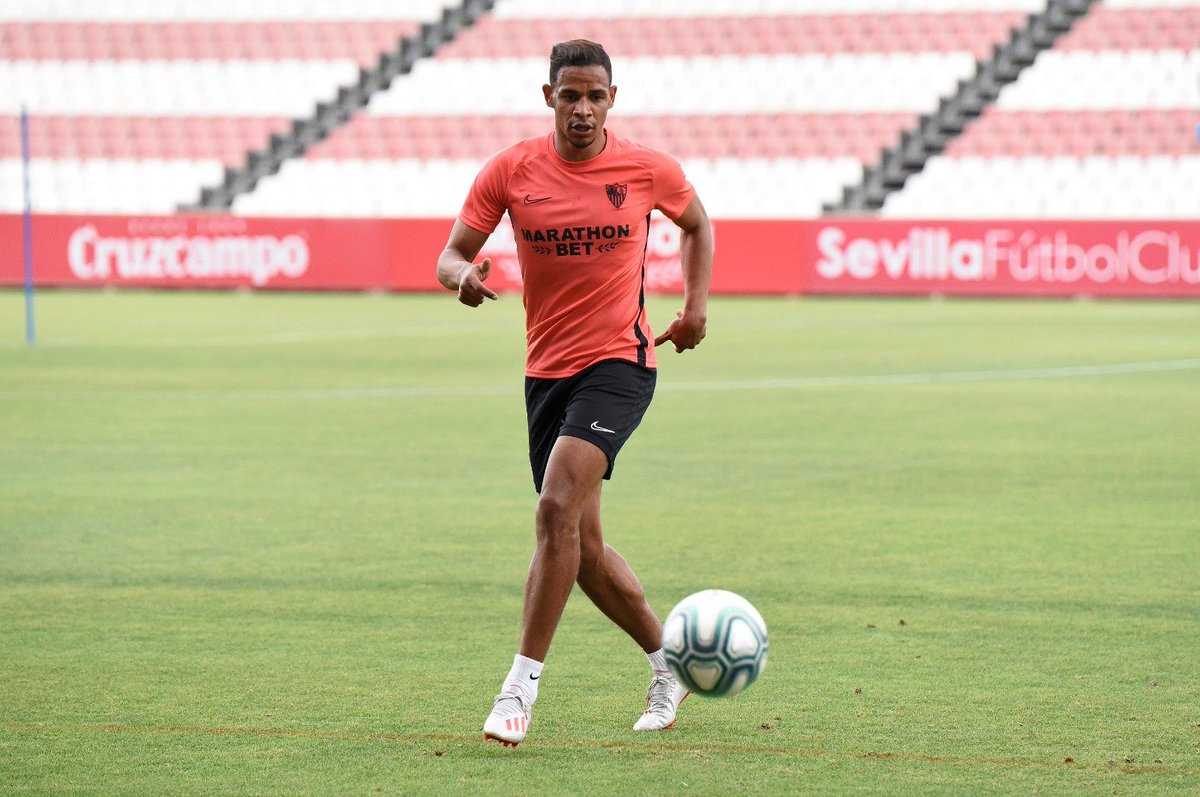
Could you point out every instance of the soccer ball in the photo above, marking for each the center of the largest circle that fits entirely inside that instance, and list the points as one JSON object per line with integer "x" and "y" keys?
{"x": 715, "y": 643}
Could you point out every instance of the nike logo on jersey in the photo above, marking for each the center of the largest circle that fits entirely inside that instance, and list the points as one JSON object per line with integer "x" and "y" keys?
{"x": 532, "y": 201}
{"x": 596, "y": 427}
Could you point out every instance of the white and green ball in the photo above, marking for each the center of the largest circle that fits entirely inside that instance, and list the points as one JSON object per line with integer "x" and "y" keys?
{"x": 715, "y": 643}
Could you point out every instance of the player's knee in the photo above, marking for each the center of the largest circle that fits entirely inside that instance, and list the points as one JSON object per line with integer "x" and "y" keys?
{"x": 557, "y": 520}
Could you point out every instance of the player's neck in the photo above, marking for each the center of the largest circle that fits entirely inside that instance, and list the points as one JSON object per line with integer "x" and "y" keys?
{"x": 575, "y": 155}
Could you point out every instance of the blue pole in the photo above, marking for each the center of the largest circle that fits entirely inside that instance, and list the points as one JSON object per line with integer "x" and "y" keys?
{"x": 27, "y": 228}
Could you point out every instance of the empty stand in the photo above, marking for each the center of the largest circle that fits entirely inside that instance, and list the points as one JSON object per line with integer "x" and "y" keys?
{"x": 1104, "y": 125}
{"x": 773, "y": 106}
{"x": 687, "y": 136}
{"x": 1116, "y": 133}
{"x": 135, "y": 104}
{"x": 359, "y": 41}
{"x": 746, "y": 35}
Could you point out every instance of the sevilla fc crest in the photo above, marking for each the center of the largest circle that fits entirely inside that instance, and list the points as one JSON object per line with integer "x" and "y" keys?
{"x": 616, "y": 193}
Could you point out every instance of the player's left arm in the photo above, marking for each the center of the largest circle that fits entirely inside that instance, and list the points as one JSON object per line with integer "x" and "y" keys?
{"x": 696, "y": 256}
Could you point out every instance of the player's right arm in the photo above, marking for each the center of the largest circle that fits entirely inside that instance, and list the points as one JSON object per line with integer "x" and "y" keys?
{"x": 456, "y": 269}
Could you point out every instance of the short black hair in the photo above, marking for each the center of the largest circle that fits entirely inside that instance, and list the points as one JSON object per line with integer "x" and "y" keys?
{"x": 578, "y": 52}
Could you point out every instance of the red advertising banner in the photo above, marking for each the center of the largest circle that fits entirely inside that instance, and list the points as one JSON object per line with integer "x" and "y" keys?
{"x": 1003, "y": 258}
{"x": 216, "y": 251}
{"x": 836, "y": 257}
{"x": 203, "y": 251}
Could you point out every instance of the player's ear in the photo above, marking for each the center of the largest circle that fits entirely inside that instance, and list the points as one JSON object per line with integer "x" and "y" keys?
{"x": 548, "y": 93}
{"x": 612, "y": 95}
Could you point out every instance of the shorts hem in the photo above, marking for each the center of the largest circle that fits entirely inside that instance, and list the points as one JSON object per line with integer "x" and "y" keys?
{"x": 587, "y": 435}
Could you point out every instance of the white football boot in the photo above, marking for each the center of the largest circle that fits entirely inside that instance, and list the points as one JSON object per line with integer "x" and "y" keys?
{"x": 662, "y": 701}
{"x": 509, "y": 719}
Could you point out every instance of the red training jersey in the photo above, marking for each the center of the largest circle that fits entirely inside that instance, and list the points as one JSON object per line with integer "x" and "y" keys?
{"x": 581, "y": 230}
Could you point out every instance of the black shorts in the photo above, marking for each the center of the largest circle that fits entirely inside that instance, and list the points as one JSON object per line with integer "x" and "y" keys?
{"x": 602, "y": 404}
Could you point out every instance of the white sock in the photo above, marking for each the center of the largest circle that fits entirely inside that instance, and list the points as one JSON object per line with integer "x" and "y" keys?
{"x": 524, "y": 675}
{"x": 658, "y": 662}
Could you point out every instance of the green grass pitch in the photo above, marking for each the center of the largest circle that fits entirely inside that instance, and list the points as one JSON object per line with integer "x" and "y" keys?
{"x": 275, "y": 544}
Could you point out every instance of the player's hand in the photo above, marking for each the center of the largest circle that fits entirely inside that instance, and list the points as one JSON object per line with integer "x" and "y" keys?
{"x": 685, "y": 332}
{"x": 471, "y": 290}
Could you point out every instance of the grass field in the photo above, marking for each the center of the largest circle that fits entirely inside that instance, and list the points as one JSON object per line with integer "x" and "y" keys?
{"x": 275, "y": 544}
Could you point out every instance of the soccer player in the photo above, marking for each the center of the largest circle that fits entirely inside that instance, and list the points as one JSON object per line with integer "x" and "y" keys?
{"x": 579, "y": 200}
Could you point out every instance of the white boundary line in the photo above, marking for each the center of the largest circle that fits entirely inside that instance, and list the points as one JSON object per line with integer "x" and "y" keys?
{"x": 475, "y": 391}
{"x": 1062, "y": 372}
{"x": 271, "y": 339}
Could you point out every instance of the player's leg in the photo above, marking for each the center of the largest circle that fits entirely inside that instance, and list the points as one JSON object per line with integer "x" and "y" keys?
{"x": 608, "y": 580}
{"x": 573, "y": 476}
{"x": 577, "y": 426}
{"x": 573, "y": 472}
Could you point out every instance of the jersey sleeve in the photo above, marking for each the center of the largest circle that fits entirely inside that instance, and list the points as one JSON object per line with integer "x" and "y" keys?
{"x": 486, "y": 202}
{"x": 672, "y": 191}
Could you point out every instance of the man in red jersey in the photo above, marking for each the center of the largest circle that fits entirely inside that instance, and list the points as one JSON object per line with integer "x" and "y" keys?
{"x": 579, "y": 201}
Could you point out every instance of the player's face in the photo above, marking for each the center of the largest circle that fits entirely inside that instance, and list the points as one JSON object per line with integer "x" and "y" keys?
{"x": 580, "y": 98}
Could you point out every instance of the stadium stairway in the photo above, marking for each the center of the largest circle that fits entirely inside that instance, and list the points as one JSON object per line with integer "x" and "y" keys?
{"x": 331, "y": 115}
{"x": 935, "y": 131}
